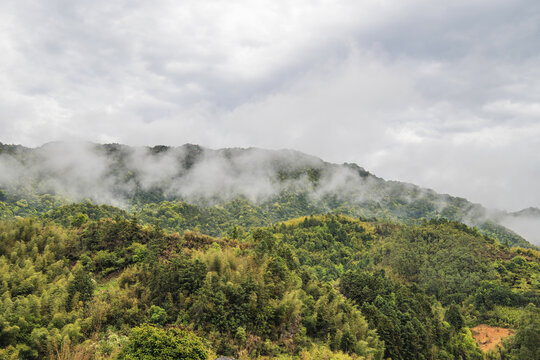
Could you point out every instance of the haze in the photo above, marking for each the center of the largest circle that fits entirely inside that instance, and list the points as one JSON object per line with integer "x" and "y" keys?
{"x": 444, "y": 96}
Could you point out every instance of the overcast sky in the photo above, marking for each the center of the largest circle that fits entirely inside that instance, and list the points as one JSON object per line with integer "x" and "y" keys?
{"x": 444, "y": 96}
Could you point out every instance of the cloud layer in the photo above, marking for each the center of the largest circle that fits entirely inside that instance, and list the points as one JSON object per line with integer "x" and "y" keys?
{"x": 115, "y": 174}
{"x": 446, "y": 96}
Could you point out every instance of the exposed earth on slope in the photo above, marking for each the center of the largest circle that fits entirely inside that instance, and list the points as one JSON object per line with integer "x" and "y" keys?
{"x": 489, "y": 337}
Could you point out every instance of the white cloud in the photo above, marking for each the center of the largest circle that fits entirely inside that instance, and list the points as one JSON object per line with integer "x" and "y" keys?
{"x": 444, "y": 96}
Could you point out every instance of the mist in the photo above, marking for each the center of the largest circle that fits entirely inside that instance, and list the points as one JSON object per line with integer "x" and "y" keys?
{"x": 111, "y": 174}
{"x": 526, "y": 226}
{"x": 116, "y": 174}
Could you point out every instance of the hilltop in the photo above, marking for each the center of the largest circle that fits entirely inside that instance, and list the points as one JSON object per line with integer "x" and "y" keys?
{"x": 278, "y": 184}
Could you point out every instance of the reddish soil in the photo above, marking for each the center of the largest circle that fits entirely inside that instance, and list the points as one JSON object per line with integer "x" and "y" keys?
{"x": 489, "y": 337}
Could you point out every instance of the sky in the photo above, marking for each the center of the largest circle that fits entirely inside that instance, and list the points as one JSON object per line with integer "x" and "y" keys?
{"x": 446, "y": 96}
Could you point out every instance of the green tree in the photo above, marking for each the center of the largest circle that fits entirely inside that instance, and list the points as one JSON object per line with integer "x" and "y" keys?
{"x": 157, "y": 315}
{"x": 82, "y": 284}
{"x": 151, "y": 343}
{"x": 526, "y": 343}
{"x": 453, "y": 317}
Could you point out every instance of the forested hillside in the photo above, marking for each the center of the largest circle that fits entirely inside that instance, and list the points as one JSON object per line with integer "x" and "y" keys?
{"x": 189, "y": 253}
{"x": 316, "y": 287}
{"x": 192, "y": 186}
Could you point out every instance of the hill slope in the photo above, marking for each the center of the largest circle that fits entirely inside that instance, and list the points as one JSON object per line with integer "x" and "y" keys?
{"x": 276, "y": 184}
{"x": 262, "y": 254}
{"x": 329, "y": 284}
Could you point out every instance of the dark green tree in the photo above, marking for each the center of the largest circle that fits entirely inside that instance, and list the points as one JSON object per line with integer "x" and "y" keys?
{"x": 453, "y": 317}
{"x": 82, "y": 284}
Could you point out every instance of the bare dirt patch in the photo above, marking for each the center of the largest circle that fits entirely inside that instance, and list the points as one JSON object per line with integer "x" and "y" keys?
{"x": 489, "y": 337}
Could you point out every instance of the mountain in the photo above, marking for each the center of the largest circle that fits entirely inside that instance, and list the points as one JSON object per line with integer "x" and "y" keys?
{"x": 531, "y": 212}
{"x": 278, "y": 183}
{"x": 116, "y": 252}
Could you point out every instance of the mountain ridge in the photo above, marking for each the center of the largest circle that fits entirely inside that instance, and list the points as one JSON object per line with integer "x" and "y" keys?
{"x": 122, "y": 175}
{"x": 248, "y": 253}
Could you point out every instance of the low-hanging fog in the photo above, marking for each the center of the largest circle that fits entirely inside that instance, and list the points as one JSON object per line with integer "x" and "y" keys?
{"x": 113, "y": 174}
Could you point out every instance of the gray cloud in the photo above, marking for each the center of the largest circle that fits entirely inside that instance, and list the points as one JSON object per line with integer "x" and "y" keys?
{"x": 446, "y": 96}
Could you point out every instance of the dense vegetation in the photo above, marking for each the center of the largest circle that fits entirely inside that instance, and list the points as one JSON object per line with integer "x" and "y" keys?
{"x": 111, "y": 287}
{"x": 295, "y": 275}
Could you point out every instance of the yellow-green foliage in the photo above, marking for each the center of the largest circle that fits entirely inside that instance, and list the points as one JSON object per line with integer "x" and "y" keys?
{"x": 270, "y": 292}
{"x": 369, "y": 227}
{"x": 504, "y": 316}
{"x": 322, "y": 352}
{"x": 34, "y": 278}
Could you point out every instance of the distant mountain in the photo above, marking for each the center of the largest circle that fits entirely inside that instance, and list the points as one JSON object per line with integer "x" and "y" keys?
{"x": 278, "y": 183}
{"x": 525, "y": 222}
{"x": 532, "y": 212}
